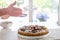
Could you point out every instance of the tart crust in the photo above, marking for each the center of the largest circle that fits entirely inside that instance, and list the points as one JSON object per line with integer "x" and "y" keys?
{"x": 41, "y": 33}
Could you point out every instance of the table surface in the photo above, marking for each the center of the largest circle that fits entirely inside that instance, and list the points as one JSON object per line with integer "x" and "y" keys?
{"x": 12, "y": 35}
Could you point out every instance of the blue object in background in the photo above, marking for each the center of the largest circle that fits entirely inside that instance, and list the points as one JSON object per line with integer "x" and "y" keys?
{"x": 42, "y": 17}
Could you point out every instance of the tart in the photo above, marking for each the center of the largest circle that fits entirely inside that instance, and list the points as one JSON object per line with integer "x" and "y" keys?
{"x": 33, "y": 30}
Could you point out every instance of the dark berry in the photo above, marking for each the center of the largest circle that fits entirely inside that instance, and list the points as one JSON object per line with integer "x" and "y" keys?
{"x": 22, "y": 29}
{"x": 34, "y": 31}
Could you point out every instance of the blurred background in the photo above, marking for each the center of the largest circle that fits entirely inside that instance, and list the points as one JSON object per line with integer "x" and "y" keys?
{"x": 43, "y": 12}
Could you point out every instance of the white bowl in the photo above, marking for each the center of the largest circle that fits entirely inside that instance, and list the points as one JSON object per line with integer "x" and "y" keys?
{"x": 6, "y": 24}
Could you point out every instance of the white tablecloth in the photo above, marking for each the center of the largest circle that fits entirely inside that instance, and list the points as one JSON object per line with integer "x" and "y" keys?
{"x": 12, "y": 35}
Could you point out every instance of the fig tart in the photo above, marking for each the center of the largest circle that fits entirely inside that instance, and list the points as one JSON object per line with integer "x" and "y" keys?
{"x": 33, "y": 30}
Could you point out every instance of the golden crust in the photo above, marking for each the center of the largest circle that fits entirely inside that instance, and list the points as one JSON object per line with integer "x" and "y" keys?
{"x": 33, "y": 34}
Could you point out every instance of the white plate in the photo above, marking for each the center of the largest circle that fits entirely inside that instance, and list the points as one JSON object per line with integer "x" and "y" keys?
{"x": 32, "y": 36}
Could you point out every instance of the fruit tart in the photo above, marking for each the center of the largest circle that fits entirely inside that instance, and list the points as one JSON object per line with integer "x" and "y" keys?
{"x": 33, "y": 30}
